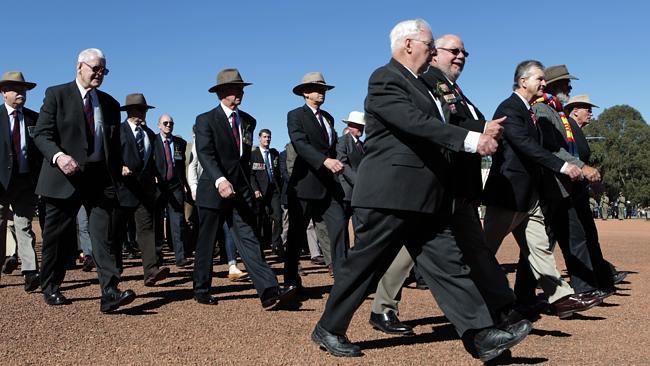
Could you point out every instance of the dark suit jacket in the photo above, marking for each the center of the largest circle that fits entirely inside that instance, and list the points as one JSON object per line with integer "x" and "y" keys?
{"x": 219, "y": 156}
{"x": 350, "y": 157}
{"x": 468, "y": 182}
{"x": 407, "y": 162}
{"x": 141, "y": 185}
{"x": 285, "y": 177}
{"x": 178, "y": 185}
{"x": 259, "y": 176}
{"x": 517, "y": 166}
{"x": 34, "y": 157}
{"x": 309, "y": 178}
{"x": 62, "y": 127}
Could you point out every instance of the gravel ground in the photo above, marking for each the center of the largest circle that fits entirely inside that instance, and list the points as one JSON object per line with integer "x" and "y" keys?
{"x": 165, "y": 326}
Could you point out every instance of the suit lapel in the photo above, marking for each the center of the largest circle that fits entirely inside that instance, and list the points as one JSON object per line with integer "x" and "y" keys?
{"x": 222, "y": 122}
{"x": 4, "y": 124}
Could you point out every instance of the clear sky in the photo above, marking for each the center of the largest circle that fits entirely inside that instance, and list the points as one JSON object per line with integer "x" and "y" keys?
{"x": 172, "y": 50}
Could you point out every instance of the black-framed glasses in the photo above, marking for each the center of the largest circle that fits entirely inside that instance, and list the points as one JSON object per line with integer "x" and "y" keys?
{"x": 455, "y": 51}
{"x": 97, "y": 69}
{"x": 167, "y": 123}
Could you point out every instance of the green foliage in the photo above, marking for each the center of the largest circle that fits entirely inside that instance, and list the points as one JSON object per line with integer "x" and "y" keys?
{"x": 623, "y": 156}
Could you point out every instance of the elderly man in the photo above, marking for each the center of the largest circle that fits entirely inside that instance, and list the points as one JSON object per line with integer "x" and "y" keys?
{"x": 224, "y": 138}
{"x": 78, "y": 132}
{"x": 349, "y": 152}
{"x": 314, "y": 191}
{"x": 442, "y": 77}
{"x": 514, "y": 189}
{"x": 21, "y": 162}
{"x": 170, "y": 161}
{"x": 408, "y": 144}
{"x": 137, "y": 185}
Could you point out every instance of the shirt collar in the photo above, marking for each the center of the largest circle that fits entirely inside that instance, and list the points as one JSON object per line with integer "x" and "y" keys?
{"x": 10, "y": 109}
{"x": 83, "y": 90}
{"x": 313, "y": 110}
{"x": 227, "y": 110}
{"x": 133, "y": 125}
{"x": 523, "y": 100}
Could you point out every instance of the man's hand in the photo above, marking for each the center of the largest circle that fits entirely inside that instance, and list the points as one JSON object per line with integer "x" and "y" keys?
{"x": 226, "y": 190}
{"x": 67, "y": 164}
{"x": 258, "y": 194}
{"x": 591, "y": 173}
{"x": 333, "y": 165}
{"x": 126, "y": 171}
{"x": 493, "y": 128}
{"x": 486, "y": 145}
{"x": 194, "y": 196}
{"x": 573, "y": 172}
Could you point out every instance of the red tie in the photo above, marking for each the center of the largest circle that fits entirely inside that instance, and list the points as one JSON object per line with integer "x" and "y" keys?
{"x": 90, "y": 122}
{"x": 319, "y": 117}
{"x": 15, "y": 136}
{"x": 533, "y": 116}
{"x": 170, "y": 164}
{"x": 359, "y": 146}
{"x": 234, "y": 126}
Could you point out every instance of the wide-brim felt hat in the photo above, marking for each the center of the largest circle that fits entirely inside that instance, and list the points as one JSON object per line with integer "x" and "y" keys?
{"x": 579, "y": 100}
{"x": 557, "y": 72}
{"x": 314, "y": 78}
{"x": 230, "y": 76}
{"x": 135, "y": 100}
{"x": 356, "y": 117}
{"x": 16, "y": 78}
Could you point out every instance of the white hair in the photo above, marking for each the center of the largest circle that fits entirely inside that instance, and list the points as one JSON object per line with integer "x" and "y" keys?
{"x": 89, "y": 54}
{"x": 406, "y": 29}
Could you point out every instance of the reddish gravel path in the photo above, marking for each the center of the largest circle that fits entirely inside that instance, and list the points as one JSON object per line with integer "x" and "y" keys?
{"x": 165, "y": 326}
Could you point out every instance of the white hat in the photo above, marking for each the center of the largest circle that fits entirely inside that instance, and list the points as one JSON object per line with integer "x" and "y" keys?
{"x": 356, "y": 118}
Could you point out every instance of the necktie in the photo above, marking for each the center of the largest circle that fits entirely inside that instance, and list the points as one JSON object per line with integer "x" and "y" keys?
{"x": 533, "y": 117}
{"x": 139, "y": 142}
{"x": 234, "y": 126}
{"x": 90, "y": 123}
{"x": 359, "y": 146}
{"x": 319, "y": 117}
{"x": 15, "y": 136}
{"x": 269, "y": 168}
{"x": 168, "y": 159}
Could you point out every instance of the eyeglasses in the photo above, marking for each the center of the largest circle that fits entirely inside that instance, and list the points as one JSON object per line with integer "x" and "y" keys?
{"x": 455, "y": 51}
{"x": 167, "y": 123}
{"x": 429, "y": 44}
{"x": 97, "y": 69}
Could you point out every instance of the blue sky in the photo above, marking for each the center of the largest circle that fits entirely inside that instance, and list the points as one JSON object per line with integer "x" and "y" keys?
{"x": 171, "y": 50}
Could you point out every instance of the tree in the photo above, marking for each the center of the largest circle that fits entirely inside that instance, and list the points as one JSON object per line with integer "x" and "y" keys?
{"x": 623, "y": 156}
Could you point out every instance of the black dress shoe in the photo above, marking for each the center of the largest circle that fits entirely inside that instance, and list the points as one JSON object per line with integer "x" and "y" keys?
{"x": 55, "y": 299}
{"x": 114, "y": 299}
{"x": 277, "y": 296}
{"x": 158, "y": 274}
{"x": 489, "y": 343}
{"x": 205, "y": 299}
{"x": 184, "y": 263}
{"x": 337, "y": 345}
{"x": 619, "y": 276}
{"x": 10, "y": 265}
{"x": 88, "y": 264}
{"x": 390, "y": 324}
{"x": 318, "y": 260}
{"x": 32, "y": 281}
{"x": 421, "y": 285}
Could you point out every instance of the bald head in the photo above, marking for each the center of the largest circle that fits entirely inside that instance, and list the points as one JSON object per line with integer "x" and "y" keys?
{"x": 450, "y": 56}
{"x": 166, "y": 125}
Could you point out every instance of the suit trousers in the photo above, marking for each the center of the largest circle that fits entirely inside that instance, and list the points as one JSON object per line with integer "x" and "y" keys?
{"x": 96, "y": 192}
{"x": 143, "y": 215}
{"x": 83, "y": 234}
{"x": 380, "y": 234}
{"x": 536, "y": 251}
{"x": 486, "y": 272}
{"x": 325, "y": 210}
{"x": 20, "y": 195}
{"x": 240, "y": 220}
{"x": 270, "y": 223}
{"x": 171, "y": 202}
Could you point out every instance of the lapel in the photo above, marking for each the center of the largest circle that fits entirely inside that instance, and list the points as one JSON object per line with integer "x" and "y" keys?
{"x": 418, "y": 85}
{"x": 5, "y": 126}
{"x": 222, "y": 123}
{"x": 525, "y": 114}
{"x": 315, "y": 130}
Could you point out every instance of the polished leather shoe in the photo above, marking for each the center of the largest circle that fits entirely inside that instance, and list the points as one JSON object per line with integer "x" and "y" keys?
{"x": 601, "y": 294}
{"x": 337, "y": 345}
{"x": 32, "y": 281}
{"x": 55, "y": 299}
{"x": 158, "y": 274}
{"x": 114, "y": 299}
{"x": 205, "y": 299}
{"x": 421, "y": 285}
{"x": 278, "y": 296}
{"x": 184, "y": 263}
{"x": 88, "y": 264}
{"x": 568, "y": 305}
{"x": 318, "y": 260}
{"x": 330, "y": 270}
{"x": 10, "y": 265}
{"x": 619, "y": 276}
{"x": 390, "y": 324}
{"x": 237, "y": 277}
{"x": 489, "y": 343}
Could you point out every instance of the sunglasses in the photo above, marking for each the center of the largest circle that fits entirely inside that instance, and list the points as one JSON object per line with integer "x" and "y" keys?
{"x": 167, "y": 123}
{"x": 97, "y": 69}
{"x": 455, "y": 51}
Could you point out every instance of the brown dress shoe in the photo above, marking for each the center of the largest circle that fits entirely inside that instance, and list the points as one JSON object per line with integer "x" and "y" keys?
{"x": 568, "y": 305}
{"x": 156, "y": 275}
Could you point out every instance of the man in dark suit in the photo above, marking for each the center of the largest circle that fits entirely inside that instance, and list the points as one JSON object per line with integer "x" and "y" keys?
{"x": 137, "y": 185}
{"x": 409, "y": 144}
{"x": 267, "y": 184}
{"x": 314, "y": 190}
{"x": 21, "y": 163}
{"x": 223, "y": 144}
{"x": 349, "y": 152}
{"x": 515, "y": 190}
{"x": 170, "y": 159}
{"x": 78, "y": 132}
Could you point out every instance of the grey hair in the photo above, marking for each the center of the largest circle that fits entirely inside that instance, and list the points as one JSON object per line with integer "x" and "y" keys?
{"x": 89, "y": 54}
{"x": 523, "y": 71}
{"x": 406, "y": 29}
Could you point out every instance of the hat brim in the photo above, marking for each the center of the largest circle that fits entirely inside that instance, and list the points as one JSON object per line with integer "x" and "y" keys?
{"x": 297, "y": 90}
{"x": 576, "y": 104}
{"x": 216, "y": 87}
{"x": 353, "y": 122}
{"x": 126, "y": 107}
{"x": 27, "y": 85}
{"x": 563, "y": 77}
